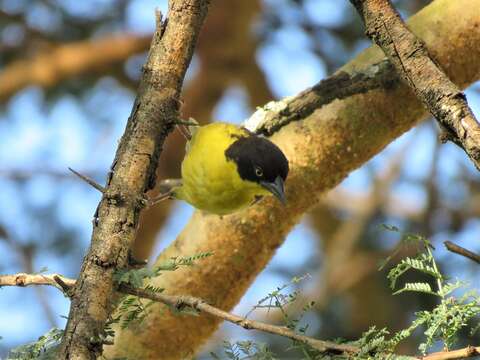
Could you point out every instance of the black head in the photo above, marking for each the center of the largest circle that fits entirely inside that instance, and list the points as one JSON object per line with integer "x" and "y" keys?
{"x": 261, "y": 161}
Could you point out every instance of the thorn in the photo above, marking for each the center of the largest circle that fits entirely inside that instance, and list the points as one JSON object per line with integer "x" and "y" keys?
{"x": 89, "y": 181}
{"x": 95, "y": 217}
{"x": 158, "y": 18}
{"x": 159, "y": 198}
{"x": 111, "y": 172}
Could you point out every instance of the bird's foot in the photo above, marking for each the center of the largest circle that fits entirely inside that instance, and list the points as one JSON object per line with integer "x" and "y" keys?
{"x": 149, "y": 202}
{"x": 190, "y": 122}
{"x": 184, "y": 127}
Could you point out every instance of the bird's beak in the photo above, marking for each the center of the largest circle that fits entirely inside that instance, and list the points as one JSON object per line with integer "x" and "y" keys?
{"x": 276, "y": 188}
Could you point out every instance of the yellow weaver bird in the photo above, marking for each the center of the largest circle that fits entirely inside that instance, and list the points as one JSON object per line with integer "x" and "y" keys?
{"x": 227, "y": 168}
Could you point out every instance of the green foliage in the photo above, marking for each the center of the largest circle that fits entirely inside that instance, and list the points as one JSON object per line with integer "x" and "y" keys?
{"x": 42, "y": 349}
{"x": 451, "y": 314}
{"x": 373, "y": 342}
{"x": 135, "y": 277}
{"x": 176, "y": 262}
{"x": 281, "y": 298}
{"x": 421, "y": 263}
{"x": 442, "y": 323}
{"x": 132, "y": 309}
{"x": 243, "y": 350}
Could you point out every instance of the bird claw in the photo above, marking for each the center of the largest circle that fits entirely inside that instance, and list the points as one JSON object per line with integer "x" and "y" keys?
{"x": 190, "y": 122}
{"x": 184, "y": 127}
{"x": 149, "y": 202}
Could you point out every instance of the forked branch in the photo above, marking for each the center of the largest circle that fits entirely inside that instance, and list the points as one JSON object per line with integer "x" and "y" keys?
{"x": 445, "y": 101}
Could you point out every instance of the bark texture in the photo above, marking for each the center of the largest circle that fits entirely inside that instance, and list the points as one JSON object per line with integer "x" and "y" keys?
{"x": 226, "y": 57}
{"x": 430, "y": 84}
{"x": 322, "y": 150}
{"x": 133, "y": 173}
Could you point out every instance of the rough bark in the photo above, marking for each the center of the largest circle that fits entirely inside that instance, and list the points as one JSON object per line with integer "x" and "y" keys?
{"x": 226, "y": 57}
{"x": 322, "y": 150}
{"x": 133, "y": 173}
{"x": 430, "y": 84}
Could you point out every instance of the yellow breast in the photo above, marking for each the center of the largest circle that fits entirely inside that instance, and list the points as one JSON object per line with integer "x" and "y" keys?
{"x": 210, "y": 181}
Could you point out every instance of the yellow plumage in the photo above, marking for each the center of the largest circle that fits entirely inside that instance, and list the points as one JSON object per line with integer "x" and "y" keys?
{"x": 210, "y": 181}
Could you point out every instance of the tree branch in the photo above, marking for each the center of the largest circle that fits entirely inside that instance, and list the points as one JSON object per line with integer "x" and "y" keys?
{"x": 339, "y": 86}
{"x": 430, "y": 84}
{"x": 462, "y": 251}
{"x": 465, "y": 353}
{"x": 50, "y": 67}
{"x": 180, "y": 302}
{"x": 322, "y": 149}
{"x": 132, "y": 174}
{"x": 23, "y": 279}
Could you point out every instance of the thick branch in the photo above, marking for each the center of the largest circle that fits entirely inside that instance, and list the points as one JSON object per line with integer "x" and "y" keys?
{"x": 339, "y": 86}
{"x": 322, "y": 150}
{"x": 430, "y": 84}
{"x": 133, "y": 173}
{"x": 50, "y": 67}
{"x": 225, "y": 64}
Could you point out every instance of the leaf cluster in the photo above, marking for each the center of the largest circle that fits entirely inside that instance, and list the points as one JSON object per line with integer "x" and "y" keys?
{"x": 42, "y": 349}
{"x": 280, "y": 299}
{"x": 451, "y": 314}
{"x": 243, "y": 350}
{"x": 441, "y": 324}
{"x": 132, "y": 309}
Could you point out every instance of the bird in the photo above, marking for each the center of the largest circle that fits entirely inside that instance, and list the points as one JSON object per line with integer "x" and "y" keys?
{"x": 227, "y": 168}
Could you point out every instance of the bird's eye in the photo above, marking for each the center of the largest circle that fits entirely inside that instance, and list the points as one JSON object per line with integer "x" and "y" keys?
{"x": 258, "y": 171}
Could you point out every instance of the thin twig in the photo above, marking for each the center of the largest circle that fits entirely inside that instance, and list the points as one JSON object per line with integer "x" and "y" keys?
{"x": 462, "y": 251}
{"x": 132, "y": 175}
{"x": 23, "y": 279}
{"x": 430, "y": 84}
{"x": 180, "y": 302}
{"x": 66, "y": 286}
{"x": 468, "y": 352}
{"x": 89, "y": 181}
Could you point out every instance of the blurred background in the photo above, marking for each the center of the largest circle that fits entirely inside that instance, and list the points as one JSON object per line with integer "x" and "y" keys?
{"x": 68, "y": 75}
